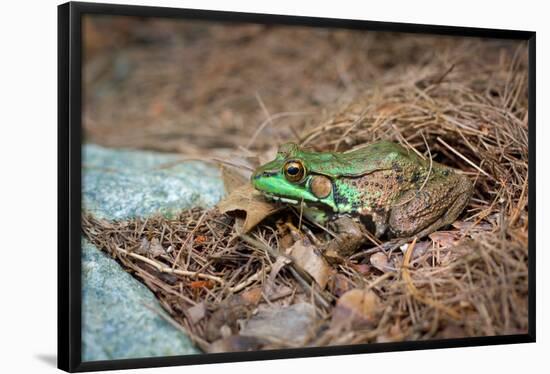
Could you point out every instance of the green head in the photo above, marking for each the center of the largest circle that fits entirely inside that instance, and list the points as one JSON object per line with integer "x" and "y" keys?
{"x": 296, "y": 176}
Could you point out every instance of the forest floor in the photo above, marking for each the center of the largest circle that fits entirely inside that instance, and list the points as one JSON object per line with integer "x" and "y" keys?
{"x": 230, "y": 94}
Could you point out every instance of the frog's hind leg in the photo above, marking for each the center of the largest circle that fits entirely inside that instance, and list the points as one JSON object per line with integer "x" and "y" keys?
{"x": 419, "y": 213}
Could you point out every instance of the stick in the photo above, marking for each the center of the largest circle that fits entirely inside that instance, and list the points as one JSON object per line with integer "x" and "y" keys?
{"x": 249, "y": 280}
{"x": 416, "y": 293}
{"x": 165, "y": 269}
{"x": 464, "y": 158}
{"x": 303, "y": 277}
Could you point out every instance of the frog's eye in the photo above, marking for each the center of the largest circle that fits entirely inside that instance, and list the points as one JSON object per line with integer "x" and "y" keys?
{"x": 294, "y": 171}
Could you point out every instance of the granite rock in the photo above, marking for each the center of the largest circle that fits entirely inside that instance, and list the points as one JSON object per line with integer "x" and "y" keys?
{"x": 119, "y": 184}
{"x": 117, "y": 320}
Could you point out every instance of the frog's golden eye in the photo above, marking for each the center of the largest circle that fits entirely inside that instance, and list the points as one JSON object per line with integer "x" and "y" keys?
{"x": 294, "y": 171}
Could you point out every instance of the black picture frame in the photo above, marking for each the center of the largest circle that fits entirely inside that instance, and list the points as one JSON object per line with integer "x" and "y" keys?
{"x": 69, "y": 184}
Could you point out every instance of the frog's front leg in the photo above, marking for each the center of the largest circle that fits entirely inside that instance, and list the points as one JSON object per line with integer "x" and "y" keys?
{"x": 375, "y": 222}
{"x": 350, "y": 236}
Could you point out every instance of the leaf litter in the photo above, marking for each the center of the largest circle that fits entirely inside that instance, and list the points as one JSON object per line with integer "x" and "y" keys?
{"x": 250, "y": 275}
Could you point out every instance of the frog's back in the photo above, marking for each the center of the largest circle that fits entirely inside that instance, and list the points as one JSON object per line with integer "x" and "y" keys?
{"x": 382, "y": 155}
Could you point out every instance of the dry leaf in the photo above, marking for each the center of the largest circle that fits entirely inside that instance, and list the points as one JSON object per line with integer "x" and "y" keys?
{"x": 340, "y": 284}
{"x": 226, "y": 316}
{"x": 292, "y": 325}
{"x": 419, "y": 249}
{"x": 196, "y": 312}
{"x": 232, "y": 178}
{"x": 357, "y": 308}
{"x": 252, "y": 296}
{"x": 280, "y": 262}
{"x": 363, "y": 269}
{"x": 246, "y": 199}
{"x": 286, "y": 241}
{"x": 380, "y": 261}
{"x": 308, "y": 257}
{"x": 444, "y": 239}
{"x": 281, "y": 293}
{"x": 144, "y": 246}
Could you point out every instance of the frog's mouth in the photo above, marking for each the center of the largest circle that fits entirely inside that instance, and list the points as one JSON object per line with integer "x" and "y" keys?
{"x": 280, "y": 198}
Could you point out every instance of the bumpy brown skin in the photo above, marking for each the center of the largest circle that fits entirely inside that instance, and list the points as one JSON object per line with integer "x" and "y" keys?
{"x": 401, "y": 204}
{"x": 437, "y": 205}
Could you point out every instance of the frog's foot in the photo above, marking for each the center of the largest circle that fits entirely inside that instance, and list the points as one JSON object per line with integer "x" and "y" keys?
{"x": 375, "y": 222}
{"x": 350, "y": 237}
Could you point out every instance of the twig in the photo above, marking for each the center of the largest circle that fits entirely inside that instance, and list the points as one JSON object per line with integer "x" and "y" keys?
{"x": 464, "y": 158}
{"x": 249, "y": 280}
{"x": 184, "y": 244}
{"x": 269, "y": 120}
{"x": 415, "y": 292}
{"x": 165, "y": 269}
{"x": 305, "y": 280}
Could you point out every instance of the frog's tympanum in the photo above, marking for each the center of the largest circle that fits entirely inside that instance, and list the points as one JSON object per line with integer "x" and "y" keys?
{"x": 390, "y": 189}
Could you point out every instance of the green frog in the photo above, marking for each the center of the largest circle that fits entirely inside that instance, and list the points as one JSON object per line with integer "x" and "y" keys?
{"x": 388, "y": 189}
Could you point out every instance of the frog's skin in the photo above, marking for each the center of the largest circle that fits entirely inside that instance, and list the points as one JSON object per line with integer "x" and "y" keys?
{"x": 383, "y": 184}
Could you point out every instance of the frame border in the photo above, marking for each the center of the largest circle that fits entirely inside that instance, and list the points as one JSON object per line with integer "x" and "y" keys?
{"x": 70, "y": 171}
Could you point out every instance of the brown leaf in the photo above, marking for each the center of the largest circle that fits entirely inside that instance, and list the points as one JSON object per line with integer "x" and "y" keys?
{"x": 253, "y": 295}
{"x": 363, "y": 269}
{"x": 292, "y": 325}
{"x": 143, "y": 247}
{"x": 225, "y": 317}
{"x": 280, "y": 262}
{"x": 283, "y": 294}
{"x": 286, "y": 241}
{"x": 380, "y": 261}
{"x": 357, "y": 308}
{"x": 246, "y": 199}
{"x": 308, "y": 257}
{"x": 445, "y": 239}
{"x": 419, "y": 249}
{"x": 340, "y": 284}
{"x": 197, "y": 312}
{"x": 232, "y": 178}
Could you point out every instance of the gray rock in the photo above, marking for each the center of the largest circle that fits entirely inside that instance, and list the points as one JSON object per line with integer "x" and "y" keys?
{"x": 120, "y": 184}
{"x": 116, "y": 324}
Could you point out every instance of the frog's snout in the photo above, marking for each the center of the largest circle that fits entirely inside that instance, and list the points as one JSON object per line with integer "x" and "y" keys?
{"x": 256, "y": 179}
{"x": 253, "y": 178}
{"x": 256, "y": 175}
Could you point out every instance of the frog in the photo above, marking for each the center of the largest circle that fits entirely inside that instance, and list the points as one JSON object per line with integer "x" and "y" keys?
{"x": 386, "y": 188}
